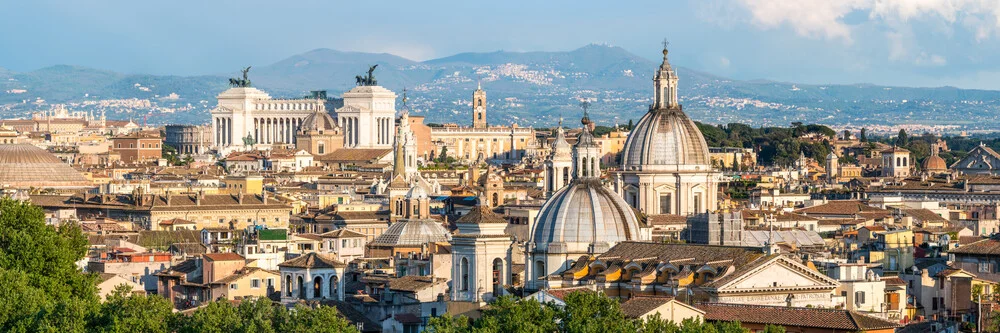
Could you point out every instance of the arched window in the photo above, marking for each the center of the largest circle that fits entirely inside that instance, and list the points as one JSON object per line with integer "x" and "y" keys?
{"x": 288, "y": 285}
{"x": 496, "y": 200}
{"x": 539, "y": 269}
{"x": 497, "y": 276}
{"x": 318, "y": 287}
{"x": 334, "y": 288}
{"x": 899, "y": 161}
{"x": 465, "y": 274}
{"x": 302, "y": 289}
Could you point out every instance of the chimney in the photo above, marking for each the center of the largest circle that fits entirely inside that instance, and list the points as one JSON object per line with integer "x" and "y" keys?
{"x": 263, "y": 196}
{"x": 168, "y": 197}
{"x": 198, "y": 196}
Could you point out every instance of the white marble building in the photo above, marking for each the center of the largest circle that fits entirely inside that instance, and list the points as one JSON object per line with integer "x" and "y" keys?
{"x": 248, "y": 111}
{"x": 368, "y": 117}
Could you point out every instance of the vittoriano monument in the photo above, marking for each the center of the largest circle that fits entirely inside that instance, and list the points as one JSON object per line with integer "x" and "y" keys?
{"x": 367, "y": 80}
{"x": 241, "y": 83}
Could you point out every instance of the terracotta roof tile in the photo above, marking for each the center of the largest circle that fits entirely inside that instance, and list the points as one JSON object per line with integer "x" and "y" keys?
{"x": 313, "y": 260}
{"x": 984, "y": 247}
{"x": 223, "y": 256}
{"x": 639, "y": 306}
{"x": 481, "y": 214}
{"x": 795, "y": 317}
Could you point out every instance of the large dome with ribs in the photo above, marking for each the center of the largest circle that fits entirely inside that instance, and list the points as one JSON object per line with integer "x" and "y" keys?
{"x": 665, "y": 137}
{"x": 26, "y": 166}
{"x": 584, "y": 217}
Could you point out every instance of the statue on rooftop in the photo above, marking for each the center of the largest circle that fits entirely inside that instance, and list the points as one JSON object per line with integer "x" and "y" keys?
{"x": 241, "y": 83}
{"x": 367, "y": 80}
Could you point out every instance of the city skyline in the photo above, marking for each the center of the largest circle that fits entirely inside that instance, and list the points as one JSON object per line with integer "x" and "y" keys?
{"x": 901, "y": 43}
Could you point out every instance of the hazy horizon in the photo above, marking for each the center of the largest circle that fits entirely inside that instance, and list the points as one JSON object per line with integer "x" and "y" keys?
{"x": 890, "y": 42}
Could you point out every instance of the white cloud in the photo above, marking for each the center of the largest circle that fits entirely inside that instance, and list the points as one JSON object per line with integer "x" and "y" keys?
{"x": 811, "y": 18}
{"x": 825, "y": 18}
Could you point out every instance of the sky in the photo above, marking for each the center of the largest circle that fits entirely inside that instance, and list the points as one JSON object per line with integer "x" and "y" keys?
{"x": 888, "y": 42}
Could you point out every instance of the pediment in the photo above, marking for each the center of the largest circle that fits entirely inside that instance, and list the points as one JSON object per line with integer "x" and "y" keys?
{"x": 979, "y": 158}
{"x": 778, "y": 273}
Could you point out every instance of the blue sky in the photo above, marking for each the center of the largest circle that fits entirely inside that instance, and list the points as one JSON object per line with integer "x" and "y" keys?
{"x": 892, "y": 42}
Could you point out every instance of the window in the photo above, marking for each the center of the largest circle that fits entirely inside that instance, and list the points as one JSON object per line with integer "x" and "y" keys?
{"x": 859, "y": 297}
{"x": 465, "y": 274}
{"x": 255, "y": 284}
{"x": 934, "y": 303}
{"x": 233, "y": 286}
{"x": 665, "y": 204}
{"x": 270, "y": 282}
{"x": 343, "y": 243}
{"x": 984, "y": 267}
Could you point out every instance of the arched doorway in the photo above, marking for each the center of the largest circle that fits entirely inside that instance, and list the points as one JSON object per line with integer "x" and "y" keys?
{"x": 334, "y": 290}
{"x": 497, "y": 277}
{"x": 496, "y": 200}
{"x": 302, "y": 288}
{"x": 318, "y": 287}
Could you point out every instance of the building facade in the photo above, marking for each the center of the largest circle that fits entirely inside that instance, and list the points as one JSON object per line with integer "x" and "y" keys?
{"x": 247, "y": 116}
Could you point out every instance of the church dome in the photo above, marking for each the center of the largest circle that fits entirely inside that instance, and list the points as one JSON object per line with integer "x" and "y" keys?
{"x": 412, "y": 233}
{"x": 319, "y": 121}
{"x": 25, "y": 166}
{"x": 934, "y": 163}
{"x": 584, "y": 217}
{"x": 416, "y": 192}
{"x": 665, "y": 137}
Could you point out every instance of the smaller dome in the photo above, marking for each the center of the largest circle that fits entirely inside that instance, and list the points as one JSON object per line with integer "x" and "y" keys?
{"x": 319, "y": 121}
{"x": 416, "y": 192}
{"x": 412, "y": 233}
{"x": 934, "y": 163}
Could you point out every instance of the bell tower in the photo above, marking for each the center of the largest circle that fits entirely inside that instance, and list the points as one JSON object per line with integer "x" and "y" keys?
{"x": 479, "y": 108}
{"x": 665, "y": 84}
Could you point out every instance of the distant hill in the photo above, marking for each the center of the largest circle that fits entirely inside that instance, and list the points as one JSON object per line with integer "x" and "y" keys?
{"x": 529, "y": 88}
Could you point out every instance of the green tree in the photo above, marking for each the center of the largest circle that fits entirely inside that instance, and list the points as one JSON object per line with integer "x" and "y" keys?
{"x": 593, "y": 312}
{"x": 39, "y": 279}
{"x": 630, "y": 126}
{"x": 774, "y": 329}
{"x": 901, "y": 139}
{"x": 736, "y": 165}
{"x": 215, "y": 317}
{"x": 864, "y": 136}
{"x": 448, "y": 324}
{"x": 322, "y": 319}
{"x": 444, "y": 154}
{"x": 125, "y": 311}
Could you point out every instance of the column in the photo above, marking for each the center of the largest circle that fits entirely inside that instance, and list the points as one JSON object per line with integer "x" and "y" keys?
{"x": 215, "y": 131}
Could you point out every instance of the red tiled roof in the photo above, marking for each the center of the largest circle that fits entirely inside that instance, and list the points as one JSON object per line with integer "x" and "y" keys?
{"x": 223, "y": 256}
{"x": 983, "y": 247}
{"x": 795, "y": 317}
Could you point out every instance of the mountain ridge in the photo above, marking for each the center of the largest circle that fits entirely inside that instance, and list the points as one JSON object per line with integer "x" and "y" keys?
{"x": 532, "y": 88}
